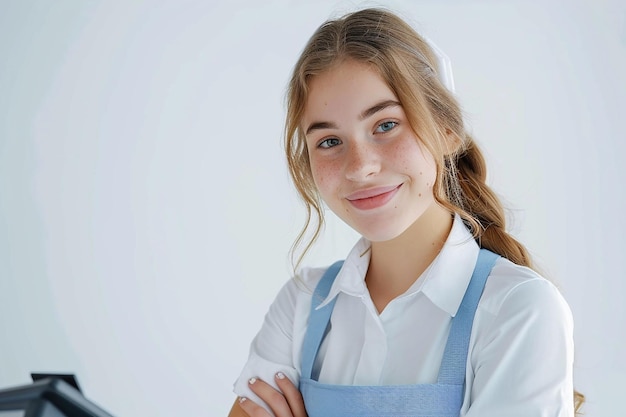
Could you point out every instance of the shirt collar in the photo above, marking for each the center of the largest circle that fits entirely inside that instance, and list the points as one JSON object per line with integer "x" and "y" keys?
{"x": 351, "y": 277}
{"x": 444, "y": 282}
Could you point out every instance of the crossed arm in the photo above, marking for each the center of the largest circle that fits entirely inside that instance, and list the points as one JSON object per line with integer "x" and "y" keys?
{"x": 287, "y": 403}
{"x": 521, "y": 363}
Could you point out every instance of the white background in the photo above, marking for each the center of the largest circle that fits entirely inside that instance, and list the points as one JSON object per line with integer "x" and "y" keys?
{"x": 145, "y": 207}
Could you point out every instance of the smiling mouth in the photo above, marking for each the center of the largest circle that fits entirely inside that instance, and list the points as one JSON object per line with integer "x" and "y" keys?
{"x": 373, "y": 198}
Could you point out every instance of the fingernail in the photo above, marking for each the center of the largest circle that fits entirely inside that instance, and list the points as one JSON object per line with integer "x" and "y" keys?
{"x": 280, "y": 375}
{"x": 251, "y": 380}
{"x": 242, "y": 400}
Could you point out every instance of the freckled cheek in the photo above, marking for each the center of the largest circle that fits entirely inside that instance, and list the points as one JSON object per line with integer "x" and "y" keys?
{"x": 412, "y": 157}
{"x": 404, "y": 155}
{"x": 325, "y": 176}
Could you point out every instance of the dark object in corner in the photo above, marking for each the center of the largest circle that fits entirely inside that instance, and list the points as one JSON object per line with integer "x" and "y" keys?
{"x": 50, "y": 396}
{"x": 69, "y": 378}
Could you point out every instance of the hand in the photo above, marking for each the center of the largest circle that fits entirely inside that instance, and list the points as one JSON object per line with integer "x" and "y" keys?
{"x": 284, "y": 403}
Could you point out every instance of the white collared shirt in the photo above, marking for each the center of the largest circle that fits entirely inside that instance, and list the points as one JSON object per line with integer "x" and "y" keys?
{"x": 521, "y": 349}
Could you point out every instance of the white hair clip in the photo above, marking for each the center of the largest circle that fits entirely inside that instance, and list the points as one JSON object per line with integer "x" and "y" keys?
{"x": 444, "y": 64}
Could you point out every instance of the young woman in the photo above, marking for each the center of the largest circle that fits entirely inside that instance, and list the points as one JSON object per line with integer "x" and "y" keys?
{"x": 436, "y": 310}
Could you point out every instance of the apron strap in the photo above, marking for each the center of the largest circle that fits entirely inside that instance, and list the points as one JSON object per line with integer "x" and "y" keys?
{"x": 452, "y": 370}
{"x": 319, "y": 320}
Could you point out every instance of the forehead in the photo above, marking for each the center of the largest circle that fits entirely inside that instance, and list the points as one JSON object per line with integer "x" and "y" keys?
{"x": 346, "y": 88}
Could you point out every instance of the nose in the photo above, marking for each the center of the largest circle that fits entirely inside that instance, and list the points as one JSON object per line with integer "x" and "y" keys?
{"x": 362, "y": 161}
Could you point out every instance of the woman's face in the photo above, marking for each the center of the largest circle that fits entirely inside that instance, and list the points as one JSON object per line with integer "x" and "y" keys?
{"x": 367, "y": 163}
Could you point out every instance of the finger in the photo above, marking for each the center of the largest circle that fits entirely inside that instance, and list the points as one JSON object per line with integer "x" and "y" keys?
{"x": 292, "y": 394}
{"x": 251, "y": 408}
{"x": 273, "y": 398}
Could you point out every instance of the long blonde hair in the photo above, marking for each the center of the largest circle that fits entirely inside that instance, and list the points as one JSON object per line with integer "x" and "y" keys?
{"x": 407, "y": 64}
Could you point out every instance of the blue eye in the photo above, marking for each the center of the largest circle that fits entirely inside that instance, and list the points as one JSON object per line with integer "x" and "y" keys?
{"x": 329, "y": 143}
{"x": 386, "y": 127}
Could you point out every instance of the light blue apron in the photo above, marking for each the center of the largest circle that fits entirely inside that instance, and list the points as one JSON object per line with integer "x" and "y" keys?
{"x": 443, "y": 399}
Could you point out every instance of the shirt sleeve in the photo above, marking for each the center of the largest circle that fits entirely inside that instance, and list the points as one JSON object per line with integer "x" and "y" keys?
{"x": 272, "y": 349}
{"x": 522, "y": 362}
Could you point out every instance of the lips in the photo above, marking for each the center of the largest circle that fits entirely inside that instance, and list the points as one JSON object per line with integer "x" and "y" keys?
{"x": 373, "y": 197}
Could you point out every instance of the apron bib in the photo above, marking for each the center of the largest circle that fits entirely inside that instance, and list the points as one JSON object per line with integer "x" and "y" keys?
{"x": 442, "y": 399}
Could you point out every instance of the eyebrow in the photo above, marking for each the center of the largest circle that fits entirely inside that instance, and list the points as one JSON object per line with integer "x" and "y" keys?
{"x": 378, "y": 107}
{"x": 364, "y": 115}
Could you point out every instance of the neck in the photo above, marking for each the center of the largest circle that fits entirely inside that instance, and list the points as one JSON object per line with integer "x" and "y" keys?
{"x": 396, "y": 264}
